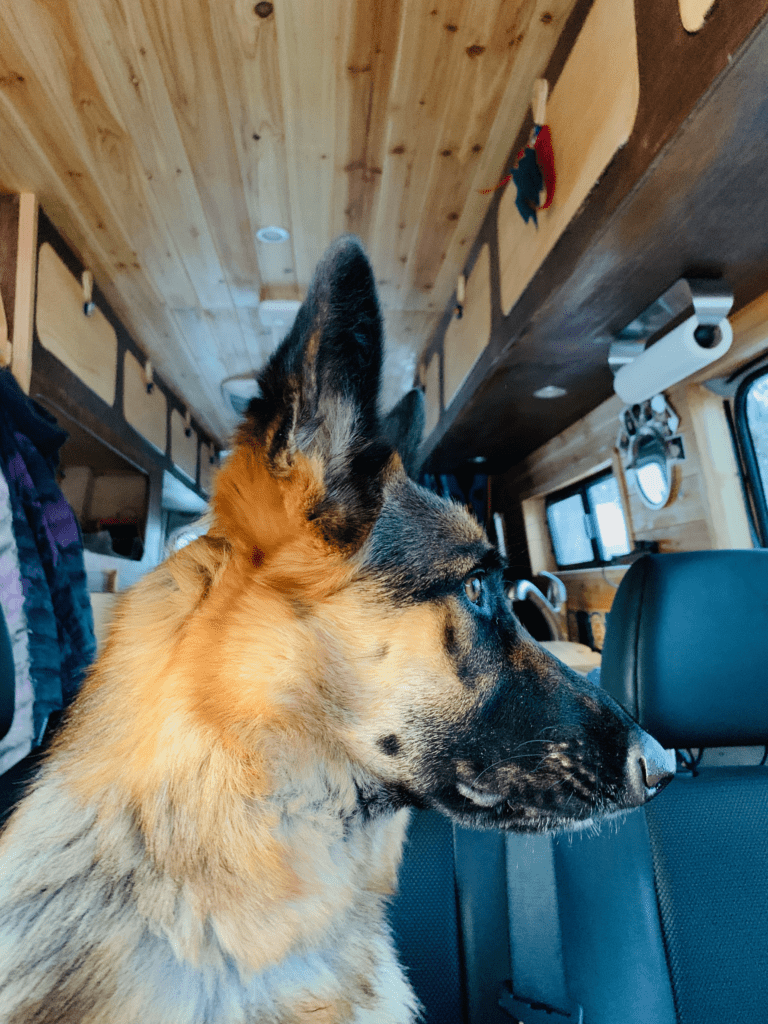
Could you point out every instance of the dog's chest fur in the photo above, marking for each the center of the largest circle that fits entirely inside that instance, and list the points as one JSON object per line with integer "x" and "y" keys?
{"x": 172, "y": 963}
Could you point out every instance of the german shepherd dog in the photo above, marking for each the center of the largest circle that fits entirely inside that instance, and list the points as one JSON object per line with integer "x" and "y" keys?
{"x": 215, "y": 832}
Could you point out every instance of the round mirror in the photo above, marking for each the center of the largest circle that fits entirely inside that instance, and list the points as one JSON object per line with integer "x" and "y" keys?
{"x": 652, "y": 470}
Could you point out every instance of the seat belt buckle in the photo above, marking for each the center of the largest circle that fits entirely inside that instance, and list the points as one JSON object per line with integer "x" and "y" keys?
{"x": 525, "y": 1012}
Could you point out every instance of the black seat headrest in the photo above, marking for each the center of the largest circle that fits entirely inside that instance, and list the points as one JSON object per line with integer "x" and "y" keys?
{"x": 686, "y": 647}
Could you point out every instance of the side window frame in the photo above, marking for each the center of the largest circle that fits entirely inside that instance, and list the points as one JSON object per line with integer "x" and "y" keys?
{"x": 751, "y": 476}
{"x": 581, "y": 488}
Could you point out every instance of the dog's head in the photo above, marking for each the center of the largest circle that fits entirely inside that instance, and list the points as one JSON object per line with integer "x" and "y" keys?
{"x": 419, "y": 671}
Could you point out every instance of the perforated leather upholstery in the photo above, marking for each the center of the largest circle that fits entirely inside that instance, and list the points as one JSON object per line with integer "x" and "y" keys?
{"x": 663, "y": 914}
{"x": 686, "y": 647}
{"x": 665, "y": 917}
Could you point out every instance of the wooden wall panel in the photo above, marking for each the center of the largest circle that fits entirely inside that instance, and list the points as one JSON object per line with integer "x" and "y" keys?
{"x": 86, "y": 344}
{"x": 183, "y": 448}
{"x": 145, "y": 411}
{"x": 706, "y": 508}
{"x": 720, "y": 483}
{"x": 466, "y": 338}
{"x": 591, "y": 113}
{"x": 114, "y": 36}
{"x": 183, "y": 39}
{"x": 535, "y": 31}
{"x": 540, "y": 552}
{"x": 207, "y": 467}
{"x": 247, "y": 50}
{"x": 118, "y": 495}
{"x": 52, "y": 156}
{"x": 432, "y": 394}
{"x": 633, "y": 234}
{"x": 693, "y": 13}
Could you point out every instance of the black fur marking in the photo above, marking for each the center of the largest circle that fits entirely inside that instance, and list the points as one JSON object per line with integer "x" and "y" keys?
{"x": 375, "y": 799}
{"x": 417, "y": 551}
{"x": 449, "y": 639}
{"x": 353, "y": 496}
{"x": 403, "y": 427}
{"x": 342, "y": 306}
{"x": 492, "y": 561}
{"x": 331, "y": 358}
{"x": 389, "y": 744}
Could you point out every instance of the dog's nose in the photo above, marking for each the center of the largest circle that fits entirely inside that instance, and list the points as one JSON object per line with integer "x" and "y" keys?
{"x": 649, "y": 767}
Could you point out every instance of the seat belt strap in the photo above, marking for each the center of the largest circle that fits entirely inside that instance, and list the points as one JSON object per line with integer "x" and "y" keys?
{"x": 538, "y": 990}
{"x": 480, "y": 863}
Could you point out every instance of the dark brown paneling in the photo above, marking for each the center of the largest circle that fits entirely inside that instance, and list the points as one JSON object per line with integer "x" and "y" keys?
{"x": 9, "y": 242}
{"x": 686, "y": 196}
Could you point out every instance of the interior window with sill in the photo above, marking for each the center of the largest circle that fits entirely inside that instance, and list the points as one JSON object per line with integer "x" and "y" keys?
{"x": 587, "y": 524}
{"x": 751, "y": 409}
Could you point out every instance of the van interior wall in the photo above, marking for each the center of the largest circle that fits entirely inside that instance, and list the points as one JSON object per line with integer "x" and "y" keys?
{"x": 706, "y": 508}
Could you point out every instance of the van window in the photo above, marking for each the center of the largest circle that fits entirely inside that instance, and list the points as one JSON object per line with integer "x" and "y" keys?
{"x": 586, "y": 523}
{"x": 752, "y": 427}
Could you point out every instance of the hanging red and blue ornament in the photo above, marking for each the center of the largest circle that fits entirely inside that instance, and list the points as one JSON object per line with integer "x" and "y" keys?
{"x": 534, "y": 168}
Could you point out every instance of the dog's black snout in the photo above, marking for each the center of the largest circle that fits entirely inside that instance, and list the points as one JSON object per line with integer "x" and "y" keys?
{"x": 649, "y": 767}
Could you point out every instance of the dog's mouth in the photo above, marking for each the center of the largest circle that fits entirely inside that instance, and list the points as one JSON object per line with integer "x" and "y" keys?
{"x": 479, "y": 808}
{"x": 562, "y": 791}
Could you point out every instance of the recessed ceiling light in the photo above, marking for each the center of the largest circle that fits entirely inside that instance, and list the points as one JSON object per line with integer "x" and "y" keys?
{"x": 272, "y": 234}
{"x": 239, "y": 390}
{"x": 550, "y": 391}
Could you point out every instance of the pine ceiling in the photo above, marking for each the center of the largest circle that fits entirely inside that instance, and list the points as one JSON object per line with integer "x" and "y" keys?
{"x": 160, "y": 135}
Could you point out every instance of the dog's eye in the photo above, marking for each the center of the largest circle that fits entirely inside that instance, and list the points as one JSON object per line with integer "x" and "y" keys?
{"x": 473, "y": 588}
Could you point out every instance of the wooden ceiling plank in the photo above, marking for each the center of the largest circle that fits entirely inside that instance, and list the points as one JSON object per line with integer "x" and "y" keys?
{"x": 403, "y": 333}
{"x": 257, "y": 338}
{"x": 311, "y": 43}
{"x": 118, "y": 43}
{"x": 364, "y": 93}
{"x": 24, "y": 166}
{"x": 182, "y": 36}
{"x": 534, "y": 44}
{"x": 482, "y": 68}
{"x": 426, "y": 61}
{"x": 226, "y": 329}
{"x": 247, "y": 49}
{"x": 80, "y": 130}
{"x": 194, "y": 332}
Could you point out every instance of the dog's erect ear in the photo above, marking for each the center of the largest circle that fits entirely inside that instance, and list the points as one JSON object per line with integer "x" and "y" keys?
{"x": 319, "y": 396}
{"x": 403, "y": 426}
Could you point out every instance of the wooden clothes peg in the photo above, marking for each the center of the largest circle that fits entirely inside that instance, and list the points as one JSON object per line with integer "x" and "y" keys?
{"x": 461, "y": 288}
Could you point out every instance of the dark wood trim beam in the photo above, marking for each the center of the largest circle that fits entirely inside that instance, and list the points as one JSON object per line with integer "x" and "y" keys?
{"x": 684, "y": 196}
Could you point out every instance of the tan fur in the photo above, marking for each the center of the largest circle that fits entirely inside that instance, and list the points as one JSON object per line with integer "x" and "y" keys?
{"x": 215, "y": 833}
{"x": 215, "y": 704}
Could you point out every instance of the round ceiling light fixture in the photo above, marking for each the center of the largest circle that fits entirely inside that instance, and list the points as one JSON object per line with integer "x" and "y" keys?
{"x": 550, "y": 391}
{"x": 272, "y": 234}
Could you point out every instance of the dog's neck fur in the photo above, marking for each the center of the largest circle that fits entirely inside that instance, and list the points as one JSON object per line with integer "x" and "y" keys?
{"x": 218, "y": 829}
